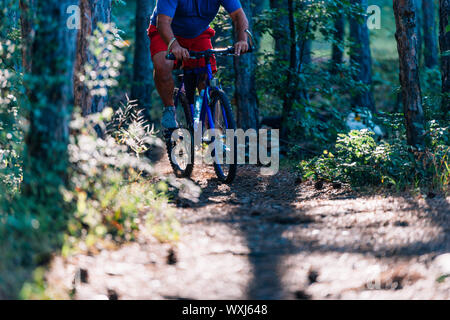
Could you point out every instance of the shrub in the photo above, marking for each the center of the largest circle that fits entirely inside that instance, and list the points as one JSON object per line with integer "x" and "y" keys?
{"x": 361, "y": 161}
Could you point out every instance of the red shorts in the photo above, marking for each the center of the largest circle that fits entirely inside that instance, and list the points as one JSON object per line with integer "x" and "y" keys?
{"x": 201, "y": 43}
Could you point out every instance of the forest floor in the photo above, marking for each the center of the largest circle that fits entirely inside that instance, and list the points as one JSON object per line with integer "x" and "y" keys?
{"x": 276, "y": 238}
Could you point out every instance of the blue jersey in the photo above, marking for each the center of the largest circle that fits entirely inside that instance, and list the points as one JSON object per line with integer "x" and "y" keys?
{"x": 192, "y": 17}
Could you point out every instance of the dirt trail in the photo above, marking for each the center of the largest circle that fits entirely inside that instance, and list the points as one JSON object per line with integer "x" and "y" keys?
{"x": 276, "y": 238}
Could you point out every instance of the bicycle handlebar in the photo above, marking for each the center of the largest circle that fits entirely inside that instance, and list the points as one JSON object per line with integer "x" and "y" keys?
{"x": 202, "y": 54}
{"x": 218, "y": 52}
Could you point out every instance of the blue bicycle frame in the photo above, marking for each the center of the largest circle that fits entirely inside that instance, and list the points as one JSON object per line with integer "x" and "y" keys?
{"x": 205, "y": 111}
{"x": 208, "y": 113}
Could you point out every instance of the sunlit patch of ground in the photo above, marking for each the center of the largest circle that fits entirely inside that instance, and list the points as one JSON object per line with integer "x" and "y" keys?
{"x": 276, "y": 238}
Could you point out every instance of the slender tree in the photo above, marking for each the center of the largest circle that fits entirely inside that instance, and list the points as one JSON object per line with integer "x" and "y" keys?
{"x": 292, "y": 50}
{"x": 26, "y": 25}
{"x": 419, "y": 25}
{"x": 293, "y": 63}
{"x": 337, "y": 52}
{"x": 280, "y": 35}
{"x": 406, "y": 35}
{"x": 50, "y": 48}
{"x": 361, "y": 58}
{"x": 429, "y": 34}
{"x": 444, "y": 41}
{"x": 304, "y": 52}
{"x": 280, "y": 30}
{"x": 224, "y": 38}
{"x": 245, "y": 66}
{"x": 92, "y": 13}
{"x": 142, "y": 67}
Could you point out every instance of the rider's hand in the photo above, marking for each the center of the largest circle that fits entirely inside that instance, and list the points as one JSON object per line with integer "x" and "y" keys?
{"x": 179, "y": 52}
{"x": 240, "y": 47}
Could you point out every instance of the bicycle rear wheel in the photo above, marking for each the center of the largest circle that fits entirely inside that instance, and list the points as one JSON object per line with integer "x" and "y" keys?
{"x": 223, "y": 120}
{"x": 180, "y": 142}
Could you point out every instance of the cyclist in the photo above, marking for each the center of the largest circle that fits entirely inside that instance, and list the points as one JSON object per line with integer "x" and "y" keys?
{"x": 180, "y": 26}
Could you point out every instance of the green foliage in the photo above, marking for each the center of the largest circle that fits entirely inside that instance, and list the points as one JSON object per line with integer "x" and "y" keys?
{"x": 358, "y": 159}
{"x": 110, "y": 191}
{"x": 124, "y": 18}
{"x": 129, "y": 127}
{"x": 107, "y": 195}
{"x": 105, "y": 46}
{"x": 319, "y": 96}
{"x": 110, "y": 197}
{"x": 431, "y": 93}
{"x": 10, "y": 124}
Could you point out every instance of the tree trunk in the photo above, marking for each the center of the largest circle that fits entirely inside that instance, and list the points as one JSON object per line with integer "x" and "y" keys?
{"x": 27, "y": 29}
{"x": 294, "y": 49}
{"x": 223, "y": 39}
{"x": 293, "y": 63}
{"x": 419, "y": 25}
{"x": 92, "y": 12}
{"x": 281, "y": 30}
{"x": 142, "y": 66}
{"x": 361, "y": 58}
{"x": 245, "y": 93}
{"x": 304, "y": 53}
{"x": 337, "y": 53}
{"x": 405, "y": 18}
{"x": 49, "y": 84}
{"x": 304, "y": 45}
{"x": 429, "y": 34}
{"x": 444, "y": 41}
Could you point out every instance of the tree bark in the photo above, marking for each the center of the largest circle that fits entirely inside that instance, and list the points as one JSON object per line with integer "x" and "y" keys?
{"x": 444, "y": 42}
{"x": 92, "y": 12}
{"x": 293, "y": 48}
{"x": 429, "y": 34}
{"x": 361, "y": 58}
{"x": 222, "y": 39}
{"x": 419, "y": 25}
{"x": 337, "y": 53}
{"x": 27, "y": 29}
{"x": 142, "y": 66}
{"x": 293, "y": 63}
{"x": 281, "y": 30}
{"x": 405, "y": 18}
{"x": 245, "y": 92}
{"x": 50, "y": 94}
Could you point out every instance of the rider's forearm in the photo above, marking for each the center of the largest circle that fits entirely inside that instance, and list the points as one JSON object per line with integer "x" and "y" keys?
{"x": 241, "y": 24}
{"x": 164, "y": 26}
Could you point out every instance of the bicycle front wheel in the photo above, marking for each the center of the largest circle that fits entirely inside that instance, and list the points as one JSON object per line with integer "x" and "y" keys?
{"x": 225, "y": 164}
{"x": 180, "y": 142}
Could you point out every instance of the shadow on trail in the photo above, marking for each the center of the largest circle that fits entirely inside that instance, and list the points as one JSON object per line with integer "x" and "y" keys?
{"x": 264, "y": 209}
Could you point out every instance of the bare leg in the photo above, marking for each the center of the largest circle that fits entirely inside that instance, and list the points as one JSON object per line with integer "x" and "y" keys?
{"x": 163, "y": 78}
{"x": 202, "y": 82}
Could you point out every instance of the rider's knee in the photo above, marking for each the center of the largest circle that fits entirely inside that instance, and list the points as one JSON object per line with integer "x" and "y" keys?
{"x": 163, "y": 74}
{"x": 163, "y": 70}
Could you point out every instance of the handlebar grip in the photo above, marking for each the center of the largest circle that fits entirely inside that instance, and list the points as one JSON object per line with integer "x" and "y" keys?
{"x": 171, "y": 56}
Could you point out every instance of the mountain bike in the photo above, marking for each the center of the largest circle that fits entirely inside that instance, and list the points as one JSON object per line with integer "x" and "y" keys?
{"x": 215, "y": 114}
